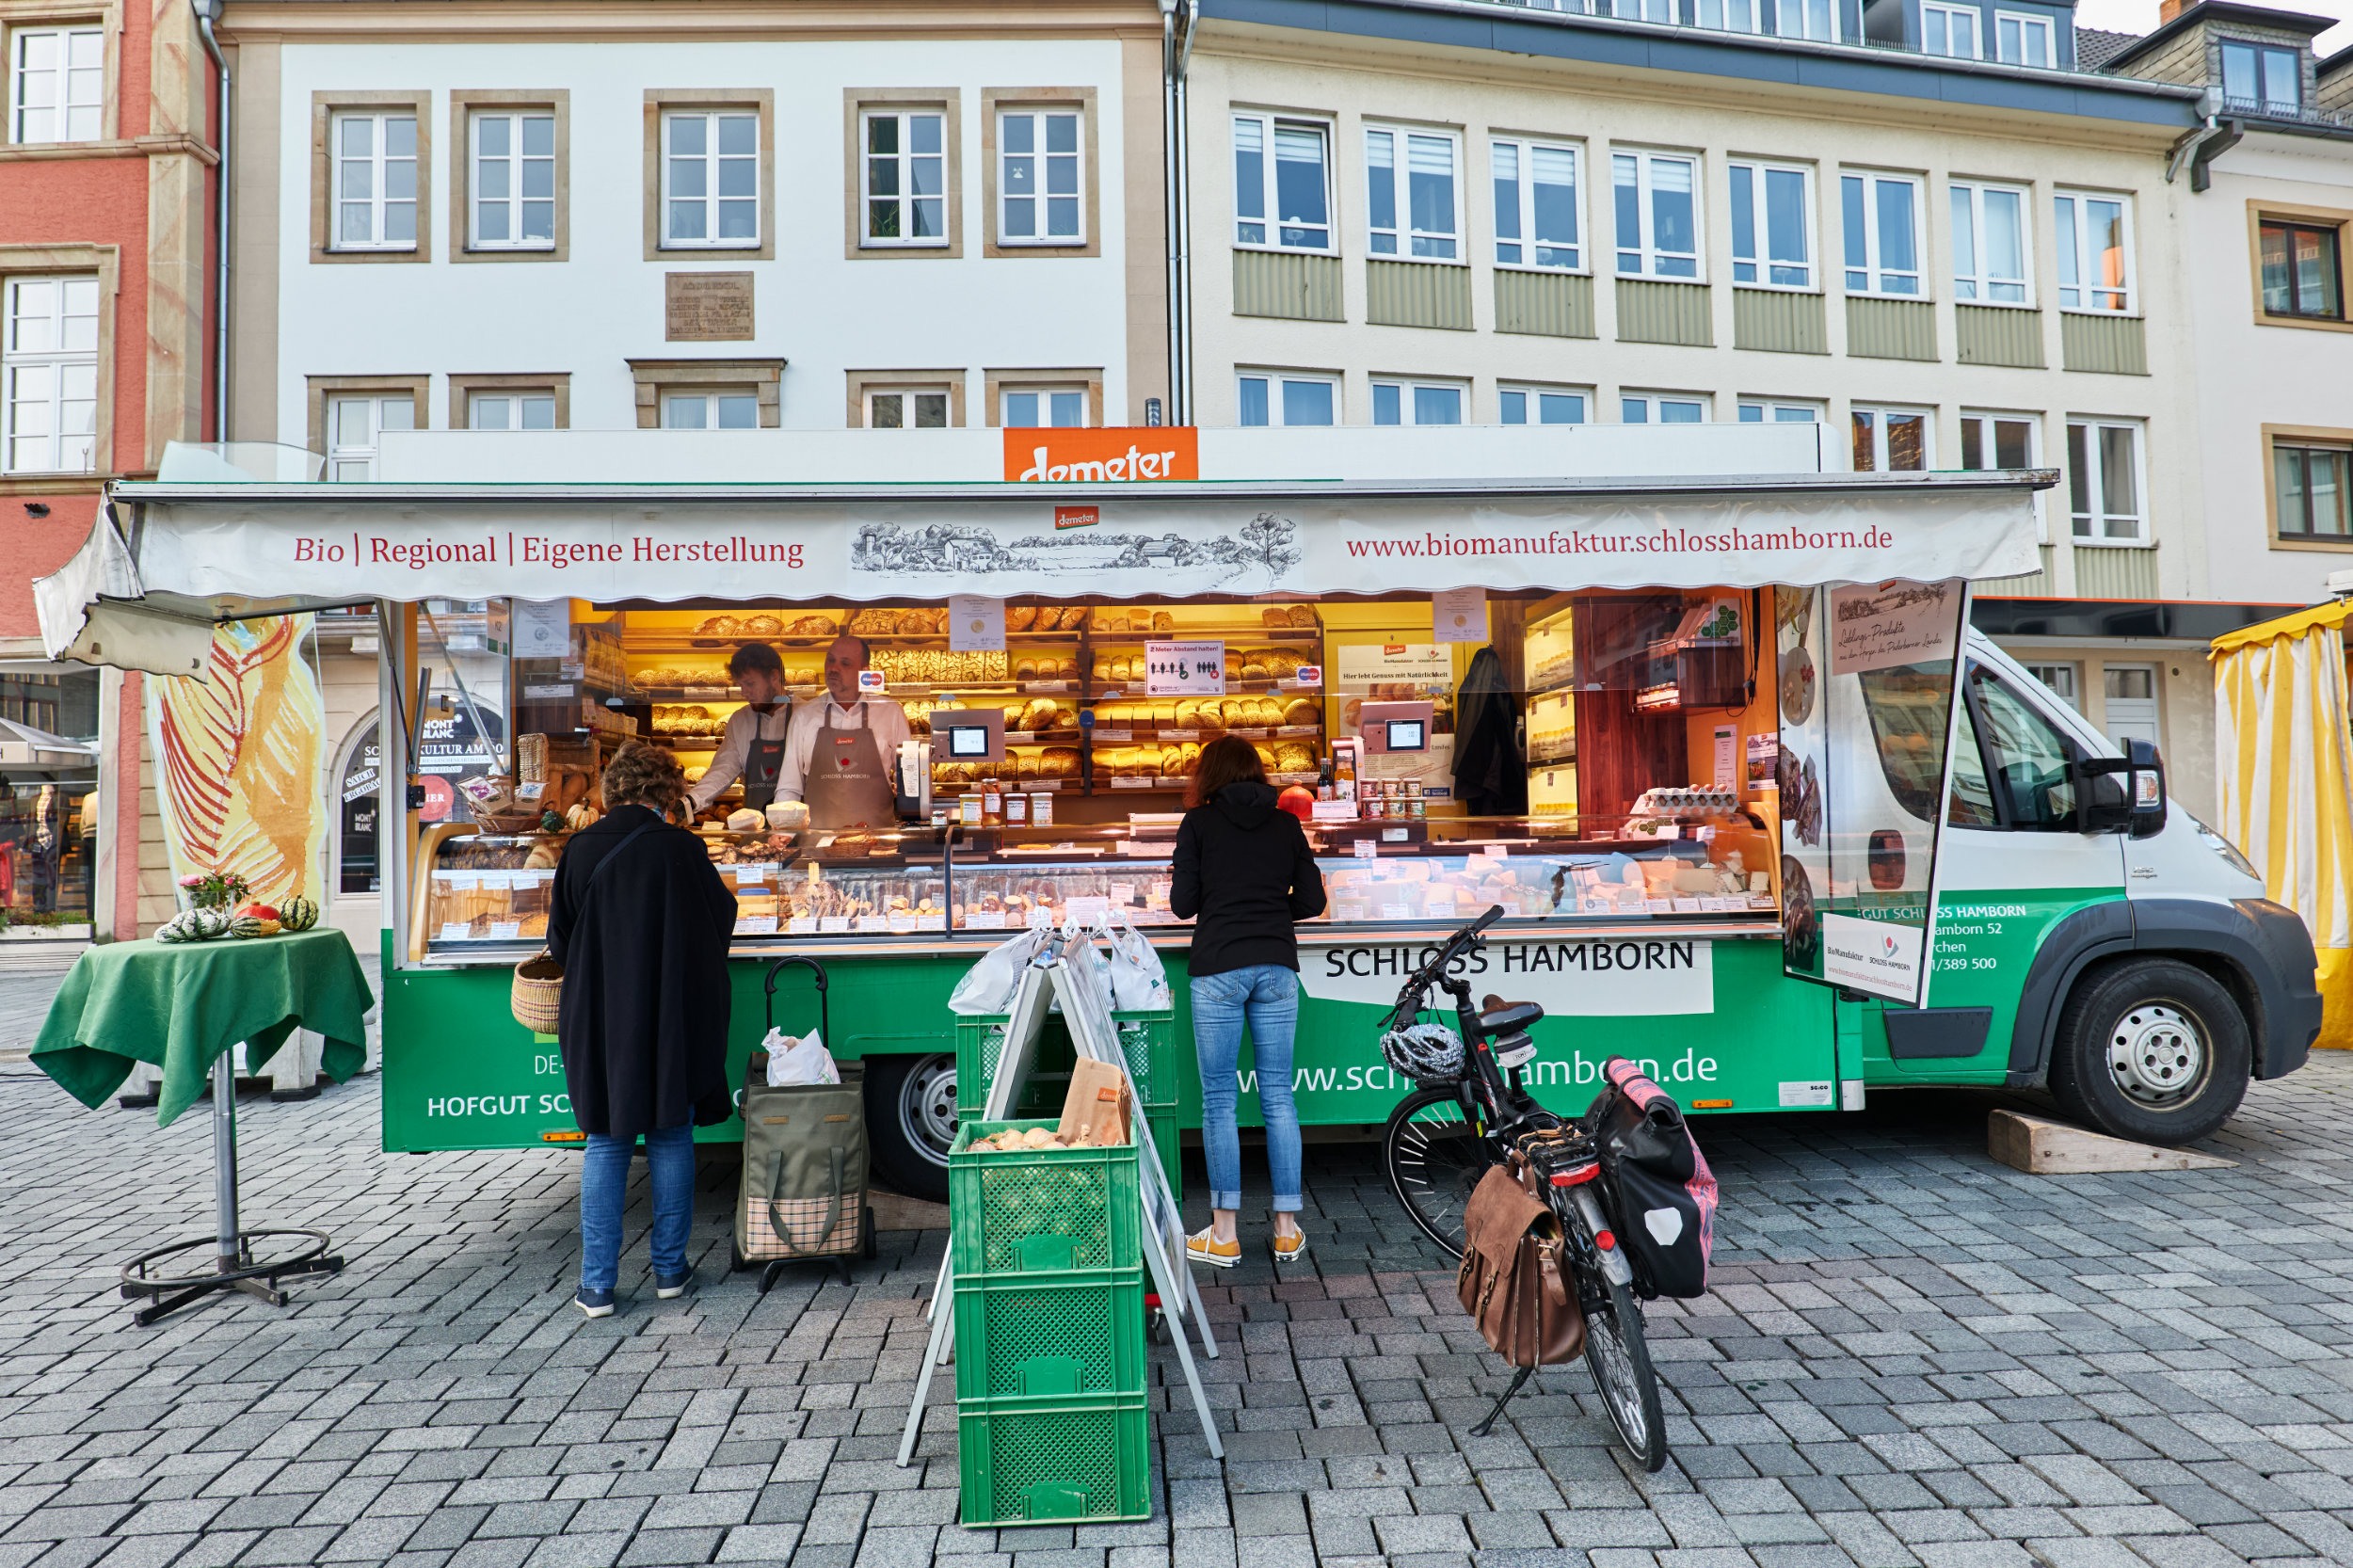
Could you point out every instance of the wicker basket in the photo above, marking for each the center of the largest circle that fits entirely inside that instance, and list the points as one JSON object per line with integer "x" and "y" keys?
{"x": 507, "y": 818}
{"x": 538, "y": 992}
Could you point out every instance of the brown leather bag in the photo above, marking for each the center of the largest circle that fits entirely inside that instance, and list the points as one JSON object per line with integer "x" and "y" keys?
{"x": 1512, "y": 1282}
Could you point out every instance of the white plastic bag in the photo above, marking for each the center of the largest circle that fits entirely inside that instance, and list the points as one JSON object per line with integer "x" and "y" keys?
{"x": 1139, "y": 980}
{"x": 988, "y": 985}
{"x": 805, "y": 1060}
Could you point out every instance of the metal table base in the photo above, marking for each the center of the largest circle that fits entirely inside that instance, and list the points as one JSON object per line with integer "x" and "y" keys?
{"x": 235, "y": 1265}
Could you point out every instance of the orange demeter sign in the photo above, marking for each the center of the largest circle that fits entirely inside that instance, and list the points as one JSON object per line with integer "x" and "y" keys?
{"x": 1116, "y": 457}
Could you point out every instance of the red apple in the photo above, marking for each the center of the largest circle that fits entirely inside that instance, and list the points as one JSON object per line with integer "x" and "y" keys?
{"x": 1298, "y": 800}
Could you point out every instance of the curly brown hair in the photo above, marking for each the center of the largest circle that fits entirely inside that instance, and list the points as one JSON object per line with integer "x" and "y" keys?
{"x": 1227, "y": 760}
{"x": 643, "y": 775}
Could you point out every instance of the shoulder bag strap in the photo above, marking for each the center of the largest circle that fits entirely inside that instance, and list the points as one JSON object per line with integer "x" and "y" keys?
{"x": 627, "y": 839}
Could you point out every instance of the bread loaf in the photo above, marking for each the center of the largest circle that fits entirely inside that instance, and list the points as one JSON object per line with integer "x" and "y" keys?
{"x": 1019, "y": 618}
{"x": 1301, "y": 711}
{"x": 1303, "y": 615}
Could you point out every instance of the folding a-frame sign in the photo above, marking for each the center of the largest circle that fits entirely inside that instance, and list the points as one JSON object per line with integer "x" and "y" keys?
{"x": 1070, "y": 971}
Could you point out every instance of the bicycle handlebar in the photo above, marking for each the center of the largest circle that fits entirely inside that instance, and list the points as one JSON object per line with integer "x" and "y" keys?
{"x": 1434, "y": 972}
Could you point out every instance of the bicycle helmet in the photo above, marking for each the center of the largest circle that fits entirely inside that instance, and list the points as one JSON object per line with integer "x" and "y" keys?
{"x": 1423, "y": 1051}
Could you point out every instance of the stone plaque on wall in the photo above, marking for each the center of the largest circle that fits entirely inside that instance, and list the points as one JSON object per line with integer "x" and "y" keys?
{"x": 708, "y": 307}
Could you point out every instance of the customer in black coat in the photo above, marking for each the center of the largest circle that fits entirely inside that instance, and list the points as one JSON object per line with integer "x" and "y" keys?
{"x": 1243, "y": 873}
{"x": 640, "y": 921}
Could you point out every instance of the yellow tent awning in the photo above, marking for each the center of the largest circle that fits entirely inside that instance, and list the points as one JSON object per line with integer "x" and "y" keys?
{"x": 2329, "y": 615}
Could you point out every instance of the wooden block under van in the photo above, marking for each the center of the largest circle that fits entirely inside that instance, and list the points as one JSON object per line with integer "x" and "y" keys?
{"x": 2039, "y": 1147}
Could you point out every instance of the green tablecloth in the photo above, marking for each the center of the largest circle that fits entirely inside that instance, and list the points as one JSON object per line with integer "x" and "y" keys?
{"x": 179, "y": 1004}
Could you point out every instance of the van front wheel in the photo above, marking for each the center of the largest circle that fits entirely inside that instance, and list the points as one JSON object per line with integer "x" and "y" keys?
{"x": 2151, "y": 1049}
{"x": 910, "y": 1121}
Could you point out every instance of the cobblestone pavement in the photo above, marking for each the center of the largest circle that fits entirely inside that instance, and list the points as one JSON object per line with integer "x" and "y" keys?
{"x": 1910, "y": 1356}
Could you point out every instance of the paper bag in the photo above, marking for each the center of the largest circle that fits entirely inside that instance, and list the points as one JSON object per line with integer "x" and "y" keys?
{"x": 1096, "y": 1106}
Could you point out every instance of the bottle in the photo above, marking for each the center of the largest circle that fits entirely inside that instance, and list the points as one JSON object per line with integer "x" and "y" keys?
{"x": 992, "y": 803}
{"x": 1016, "y": 808}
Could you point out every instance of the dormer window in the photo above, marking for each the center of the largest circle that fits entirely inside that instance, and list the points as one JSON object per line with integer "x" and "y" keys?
{"x": 2260, "y": 79}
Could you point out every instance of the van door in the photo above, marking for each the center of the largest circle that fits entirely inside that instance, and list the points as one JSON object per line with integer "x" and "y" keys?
{"x": 2019, "y": 887}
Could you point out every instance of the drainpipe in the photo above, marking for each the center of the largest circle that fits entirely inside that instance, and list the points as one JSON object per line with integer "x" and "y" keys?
{"x": 208, "y": 12}
{"x": 2200, "y": 147}
{"x": 1184, "y": 198}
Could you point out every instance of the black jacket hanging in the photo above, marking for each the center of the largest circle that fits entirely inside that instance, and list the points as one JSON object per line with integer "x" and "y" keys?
{"x": 1490, "y": 765}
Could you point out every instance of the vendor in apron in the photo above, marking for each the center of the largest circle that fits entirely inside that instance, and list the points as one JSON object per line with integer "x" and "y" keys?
{"x": 753, "y": 748}
{"x": 844, "y": 748}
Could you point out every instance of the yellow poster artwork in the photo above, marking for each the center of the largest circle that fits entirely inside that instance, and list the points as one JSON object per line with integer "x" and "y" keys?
{"x": 238, "y": 758}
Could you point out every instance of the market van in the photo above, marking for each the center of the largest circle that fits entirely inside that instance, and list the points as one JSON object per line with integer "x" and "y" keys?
{"x": 1761, "y": 811}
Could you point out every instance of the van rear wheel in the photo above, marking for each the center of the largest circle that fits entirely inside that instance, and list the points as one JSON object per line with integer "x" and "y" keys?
{"x": 2151, "y": 1049}
{"x": 910, "y": 1122}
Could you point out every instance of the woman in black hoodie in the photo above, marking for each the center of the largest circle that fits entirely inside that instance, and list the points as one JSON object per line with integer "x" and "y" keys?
{"x": 1243, "y": 868}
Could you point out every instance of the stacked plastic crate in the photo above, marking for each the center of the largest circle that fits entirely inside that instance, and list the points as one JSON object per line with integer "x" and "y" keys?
{"x": 1051, "y": 1374}
{"x": 1148, "y": 1040}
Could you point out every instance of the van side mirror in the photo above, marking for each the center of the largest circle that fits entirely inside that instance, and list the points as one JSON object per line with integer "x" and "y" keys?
{"x": 2121, "y": 795}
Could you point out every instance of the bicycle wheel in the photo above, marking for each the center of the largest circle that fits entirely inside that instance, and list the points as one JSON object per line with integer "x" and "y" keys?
{"x": 1619, "y": 1358}
{"x": 1434, "y": 1156}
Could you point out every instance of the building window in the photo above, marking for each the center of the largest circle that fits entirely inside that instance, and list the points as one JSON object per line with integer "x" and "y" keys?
{"x": 2311, "y": 490}
{"x": 1949, "y": 30}
{"x": 1293, "y": 185}
{"x": 1770, "y": 216}
{"x": 906, "y": 178}
{"x": 1410, "y": 195}
{"x": 1890, "y": 440}
{"x": 2103, "y": 481}
{"x": 1663, "y": 409}
{"x": 514, "y": 182}
{"x": 2301, "y": 270}
{"x": 1038, "y": 159}
{"x": 1996, "y": 441}
{"x": 1541, "y": 406}
{"x": 1265, "y": 397}
{"x": 1419, "y": 402}
{"x": 1989, "y": 244}
{"x": 1043, "y": 408}
{"x": 1807, "y": 19}
{"x": 353, "y": 424}
{"x": 2023, "y": 39}
{"x": 1882, "y": 224}
{"x": 907, "y": 409}
{"x": 2094, "y": 252}
{"x": 49, "y": 364}
{"x": 376, "y": 180}
{"x": 56, "y": 84}
{"x": 1536, "y": 209}
{"x": 2260, "y": 80}
{"x": 1657, "y": 211}
{"x": 711, "y": 178}
{"x": 511, "y": 410}
{"x": 1761, "y": 412}
{"x": 2063, "y": 679}
{"x": 711, "y": 410}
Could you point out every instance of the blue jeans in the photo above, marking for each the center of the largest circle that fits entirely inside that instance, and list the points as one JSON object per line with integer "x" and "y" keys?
{"x": 604, "y": 1193}
{"x": 1268, "y": 996}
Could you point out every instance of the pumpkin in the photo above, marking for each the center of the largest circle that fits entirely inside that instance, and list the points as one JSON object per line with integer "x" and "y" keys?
{"x": 252, "y": 925}
{"x": 256, "y": 910}
{"x": 299, "y": 914}
{"x": 180, "y": 928}
{"x": 211, "y": 921}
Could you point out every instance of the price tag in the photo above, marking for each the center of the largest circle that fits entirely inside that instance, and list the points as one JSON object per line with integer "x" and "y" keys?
{"x": 1113, "y": 737}
{"x": 1718, "y": 905}
{"x": 1135, "y": 783}
{"x": 873, "y": 922}
{"x": 1049, "y": 685}
{"x": 1299, "y": 730}
{"x": 800, "y": 925}
{"x": 1396, "y": 912}
{"x": 545, "y": 693}
{"x": 455, "y": 931}
{"x": 1393, "y": 835}
{"x": 1249, "y": 734}
{"x": 1494, "y": 852}
{"x": 1123, "y": 893}
{"x": 498, "y": 882}
{"x": 756, "y": 925}
{"x": 1760, "y": 901}
{"x": 1180, "y": 734}
{"x": 902, "y": 924}
{"x": 1659, "y": 906}
{"x": 708, "y": 694}
{"x": 464, "y": 882}
{"x": 1688, "y": 905}
{"x": 506, "y": 930}
{"x": 833, "y": 923}
{"x": 1586, "y": 904}
{"x": 931, "y": 922}
{"x": 1365, "y": 849}
{"x": 1086, "y": 911}
{"x": 985, "y": 919}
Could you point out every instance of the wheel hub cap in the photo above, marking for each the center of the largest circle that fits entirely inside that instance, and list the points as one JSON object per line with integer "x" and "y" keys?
{"x": 927, "y": 1108}
{"x": 2155, "y": 1053}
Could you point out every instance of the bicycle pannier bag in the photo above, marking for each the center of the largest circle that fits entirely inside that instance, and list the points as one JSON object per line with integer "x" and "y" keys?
{"x": 1657, "y": 1181}
{"x": 804, "y": 1187}
{"x": 1512, "y": 1281}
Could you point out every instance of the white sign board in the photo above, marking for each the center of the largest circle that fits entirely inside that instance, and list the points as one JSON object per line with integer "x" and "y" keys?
{"x": 543, "y": 627}
{"x": 976, "y": 624}
{"x": 1635, "y": 977}
{"x": 1877, "y": 957}
{"x": 1184, "y": 669}
{"x": 1876, "y": 627}
{"x": 1368, "y": 664}
{"x": 1458, "y": 615}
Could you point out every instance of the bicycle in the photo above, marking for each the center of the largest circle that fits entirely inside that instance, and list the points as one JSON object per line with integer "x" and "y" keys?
{"x": 1442, "y": 1138}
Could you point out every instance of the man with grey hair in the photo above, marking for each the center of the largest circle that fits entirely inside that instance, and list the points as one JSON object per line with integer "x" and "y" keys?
{"x": 840, "y": 755}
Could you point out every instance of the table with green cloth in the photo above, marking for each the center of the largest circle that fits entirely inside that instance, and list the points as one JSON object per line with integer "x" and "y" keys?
{"x": 178, "y": 1005}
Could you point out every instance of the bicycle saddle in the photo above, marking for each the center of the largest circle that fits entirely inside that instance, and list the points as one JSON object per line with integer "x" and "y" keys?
{"x": 1497, "y": 1016}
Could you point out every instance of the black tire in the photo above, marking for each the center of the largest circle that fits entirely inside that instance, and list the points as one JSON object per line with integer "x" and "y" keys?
{"x": 910, "y": 1122}
{"x": 1618, "y": 1355}
{"x": 2151, "y": 1049}
{"x": 1434, "y": 1156}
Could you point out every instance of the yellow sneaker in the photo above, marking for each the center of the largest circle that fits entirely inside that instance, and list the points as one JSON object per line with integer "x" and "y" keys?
{"x": 1292, "y": 1248}
{"x": 1207, "y": 1248}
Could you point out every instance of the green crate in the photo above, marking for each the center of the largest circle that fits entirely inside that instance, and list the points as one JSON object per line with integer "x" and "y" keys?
{"x": 1054, "y": 1460}
{"x": 1073, "y": 1332}
{"x": 1146, "y": 1039}
{"x": 997, "y": 1201}
{"x": 1169, "y": 1141}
